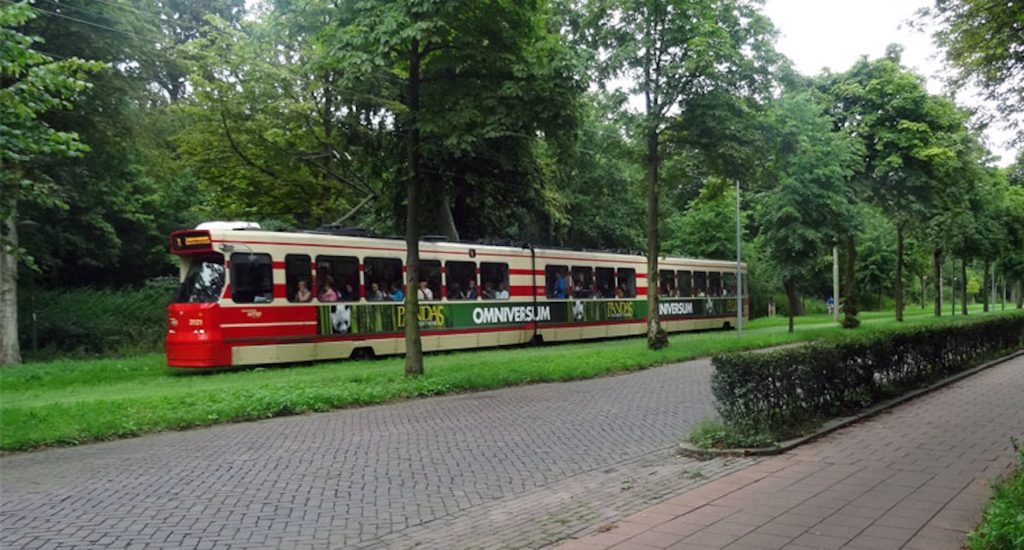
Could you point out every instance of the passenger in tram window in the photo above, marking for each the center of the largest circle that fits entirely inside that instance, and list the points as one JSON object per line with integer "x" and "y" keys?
{"x": 328, "y": 293}
{"x": 455, "y": 292}
{"x": 488, "y": 293}
{"x": 349, "y": 292}
{"x": 424, "y": 292}
{"x": 579, "y": 291}
{"x": 620, "y": 292}
{"x": 396, "y": 294}
{"x": 559, "y": 289}
{"x": 471, "y": 293}
{"x": 502, "y": 293}
{"x": 302, "y": 294}
{"x": 375, "y": 294}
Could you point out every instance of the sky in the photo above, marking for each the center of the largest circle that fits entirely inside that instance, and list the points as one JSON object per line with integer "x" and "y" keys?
{"x": 816, "y": 34}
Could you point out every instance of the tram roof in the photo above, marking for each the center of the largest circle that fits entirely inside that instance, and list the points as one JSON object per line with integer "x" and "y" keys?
{"x": 296, "y": 238}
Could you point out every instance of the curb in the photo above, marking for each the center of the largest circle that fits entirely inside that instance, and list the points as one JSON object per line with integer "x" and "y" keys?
{"x": 686, "y": 449}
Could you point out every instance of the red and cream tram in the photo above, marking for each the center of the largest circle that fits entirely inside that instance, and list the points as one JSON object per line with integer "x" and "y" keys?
{"x": 252, "y": 297}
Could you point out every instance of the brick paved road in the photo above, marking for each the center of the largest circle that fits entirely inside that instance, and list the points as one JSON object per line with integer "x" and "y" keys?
{"x": 515, "y": 467}
{"x": 915, "y": 478}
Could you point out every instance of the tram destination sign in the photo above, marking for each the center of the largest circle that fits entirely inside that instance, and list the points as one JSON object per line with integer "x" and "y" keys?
{"x": 191, "y": 241}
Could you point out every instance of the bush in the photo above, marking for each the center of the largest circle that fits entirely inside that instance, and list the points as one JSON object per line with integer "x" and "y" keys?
{"x": 91, "y": 321}
{"x": 796, "y": 386}
{"x": 1002, "y": 526}
{"x": 709, "y": 434}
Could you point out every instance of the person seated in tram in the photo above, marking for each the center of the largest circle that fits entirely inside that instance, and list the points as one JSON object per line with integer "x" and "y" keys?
{"x": 348, "y": 292}
{"x": 558, "y": 290}
{"x": 471, "y": 290}
{"x": 328, "y": 292}
{"x": 302, "y": 293}
{"x": 502, "y": 293}
{"x": 488, "y": 293}
{"x": 424, "y": 292}
{"x": 375, "y": 294}
{"x": 579, "y": 291}
{"x": 396, "y": 294}
{"x": 455, "y": 292}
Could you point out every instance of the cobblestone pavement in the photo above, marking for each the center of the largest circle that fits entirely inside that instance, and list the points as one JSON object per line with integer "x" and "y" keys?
{"x": 916, "y": 477}
{"x": 518, "y": 467}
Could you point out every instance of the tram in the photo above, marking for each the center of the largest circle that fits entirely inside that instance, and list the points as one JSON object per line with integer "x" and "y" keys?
{"x": 253, "y": 297}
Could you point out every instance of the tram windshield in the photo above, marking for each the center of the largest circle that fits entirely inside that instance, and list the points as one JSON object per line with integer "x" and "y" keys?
{"x": 204, "y": 281}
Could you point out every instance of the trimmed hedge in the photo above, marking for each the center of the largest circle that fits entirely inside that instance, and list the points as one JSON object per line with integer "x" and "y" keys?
{"x": 789, "y": 388}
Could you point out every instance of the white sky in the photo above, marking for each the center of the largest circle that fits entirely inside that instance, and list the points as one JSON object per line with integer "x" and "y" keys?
{"x": 835, "y": 33}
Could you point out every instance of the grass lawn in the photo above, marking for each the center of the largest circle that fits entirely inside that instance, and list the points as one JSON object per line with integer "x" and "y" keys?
{"x": 74, "y": 401}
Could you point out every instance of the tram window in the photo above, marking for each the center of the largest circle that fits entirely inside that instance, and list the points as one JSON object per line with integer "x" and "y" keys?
{"x": 604, "y": 286}
{"x": 494, "y": 280}
{"x": 714, "y": 283}
{"x": 338, "y": 278}
{"x": 626, "y": 287}
{"x": 582, "y": 281}
{"x": 729, "y": 282}
{"x": 204, "y": 280}
{"x": 461, "y": 280}
{"x": 430, "y": 272}
{"x": 381, "y": 273}
{"x": 700, "y": 283}
{"x": 685, "y": 283}
{"x": 667, "y": 283}
{"x": 252, "y": 278}
{"x": 556, "y": 281}
{"x": 298, "y": 278}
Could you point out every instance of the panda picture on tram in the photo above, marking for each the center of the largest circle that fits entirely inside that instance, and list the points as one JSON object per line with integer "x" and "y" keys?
{"x": 341, "y": 319}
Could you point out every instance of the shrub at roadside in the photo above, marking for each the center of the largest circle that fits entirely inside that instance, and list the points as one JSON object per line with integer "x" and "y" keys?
{"x": 711, "y": 434}
{"x": 785, "y": 389}
{"x": 92, "y": 321}
{"x": 1002, "y": 526}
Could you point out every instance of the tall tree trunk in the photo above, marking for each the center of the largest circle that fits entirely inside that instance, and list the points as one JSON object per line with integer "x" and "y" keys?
{"x": 413, "y": 344}
{"x": 1020, "y": 293}
{"x": 792, "y": 298}
{"x": 963, "y": 285}
{"x": 985, "y": 284}
{"x": 443, "y": 209}
{"x": 10, "y": 353}
{"x": 899, "y": 272}
{"x": 656, "y": 337}
{"x": 851, "y": 303}
{"x": 924, "y": 291}
{"x": 937, "y": 276}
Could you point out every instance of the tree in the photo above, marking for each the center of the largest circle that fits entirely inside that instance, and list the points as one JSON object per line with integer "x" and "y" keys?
{"x": 984, "y": 43}
{"x": 31, "y": 84}
{"x": 674, "y": 53}
{"x": 458, "y": 77}
{"x": 809, "y": 208}
{"x": 904, "y": 131}
{"x": 707, "y": 229}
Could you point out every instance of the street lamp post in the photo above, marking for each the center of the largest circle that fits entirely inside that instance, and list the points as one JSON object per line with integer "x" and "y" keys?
{"x": 739, "y": 276}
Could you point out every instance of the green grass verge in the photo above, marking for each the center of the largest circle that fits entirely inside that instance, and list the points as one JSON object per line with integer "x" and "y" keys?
{"x": 68, "y": 402}
{"x": 1002, "y": 525}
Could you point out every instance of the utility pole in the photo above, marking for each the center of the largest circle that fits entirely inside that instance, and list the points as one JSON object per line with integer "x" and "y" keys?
{"x": 739, "y": 275}
{"x": 835, "y": 283}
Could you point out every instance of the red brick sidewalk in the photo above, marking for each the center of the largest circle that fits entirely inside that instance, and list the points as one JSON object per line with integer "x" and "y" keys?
{"x": 916, "y": 477}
